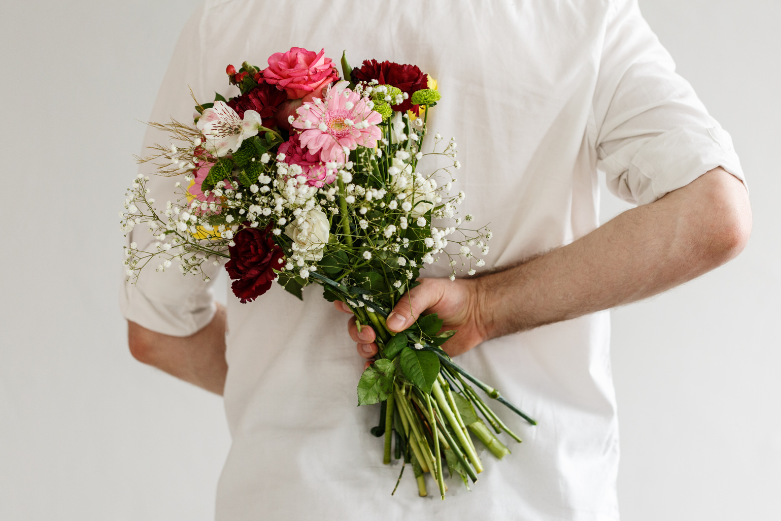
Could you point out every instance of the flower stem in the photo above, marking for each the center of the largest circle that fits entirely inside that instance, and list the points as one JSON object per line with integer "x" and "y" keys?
{"x": 386, "y": 458}
{"x": 380, "y": 330}
{"x": 487, "y": 389}
{"x": 482, "y": 432}
{"x": 417, "y": 468}
{"x": 456, "y": 449}
{"x": 417, "y": 450}
{"x": 437, "y": 457}
{"x": 490, "y": 414}
{"x": 452, "y": 402}
{"x": 466, "y": 445}
{"x": 343, "y": 212}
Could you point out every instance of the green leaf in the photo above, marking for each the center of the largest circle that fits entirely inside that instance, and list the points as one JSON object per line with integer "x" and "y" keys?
{"x": 443, "y": 337}
{"x": 420, "y": 367}
{"x": 254, "y": 169}
{"x": 203, "y": 106}
{"x": 334, "y": 262}
{"x": 376, "y": 382}
{"x": 246, "y": 152}
{"x": 371, "y": 280}
{"x": 430, "y": 324}
{"x": 244, "y": 179}
{"x": 454, "y": 466}
{"x": 292, "y": 285}
{"x": 219, "y": 97}
{"x": 330, "y": 295}
{"x": 220, "y": 171}
{"x": 465, "y": 409}
{"x": 395, "y": 345}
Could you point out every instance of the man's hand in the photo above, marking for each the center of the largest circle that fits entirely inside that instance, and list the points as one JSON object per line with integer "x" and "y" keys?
{"x": 198, "y": 358}
{"x": 640, "y": 253}
{"x": 453, "y": 301}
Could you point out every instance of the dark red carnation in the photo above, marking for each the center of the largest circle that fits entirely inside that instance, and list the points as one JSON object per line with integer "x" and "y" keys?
{"x": 408, "y": 78}
{"x": 252, "y": 263}
{"x": 263, "y": 99}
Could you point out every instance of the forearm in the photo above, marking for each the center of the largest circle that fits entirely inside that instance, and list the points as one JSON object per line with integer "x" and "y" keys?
{"x": 640, "y": 253}
{"x": 198, "y": 359}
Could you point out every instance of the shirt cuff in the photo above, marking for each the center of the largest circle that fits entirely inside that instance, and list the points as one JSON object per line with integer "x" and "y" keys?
{"x": 670, "y": 161}
{"x": 168, "y": 302}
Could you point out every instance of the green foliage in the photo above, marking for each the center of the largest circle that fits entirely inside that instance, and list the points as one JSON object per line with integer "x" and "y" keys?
{"x": 346, "y": 69}
{"x": 203, "y": 106}
{"x": 395, "y": 345}
{"x": 292, "y": 284}
{"x": 376, "y": 382}
{"x": 427, "y": 97}
{"x": 254, "y": 169}
{"x": 219, "y": 97}
{"x": 244, "y": 179}
{"x": 465, "y": 409}
{"x": 443, "y": 337}
{"x": 454, "y": 466}
{"x": 371, "y": 280}
{"x": 246, "y": 152}
{"x": 219, "y": 172}
{"x": 334, "y": 262}
{"x": 430, "y": 324}
{"x": 420, "y": 367}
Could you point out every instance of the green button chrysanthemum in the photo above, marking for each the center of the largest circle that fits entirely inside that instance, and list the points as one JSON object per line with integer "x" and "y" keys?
{"x": 384, "y": 109}
{"x": 426, "y": 97}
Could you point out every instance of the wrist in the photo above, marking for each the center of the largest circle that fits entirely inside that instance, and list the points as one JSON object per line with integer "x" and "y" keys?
{"x": 481, "y": 310}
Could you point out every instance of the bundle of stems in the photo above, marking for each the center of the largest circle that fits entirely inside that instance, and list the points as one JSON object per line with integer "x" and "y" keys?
{"x": 432, "y": 430}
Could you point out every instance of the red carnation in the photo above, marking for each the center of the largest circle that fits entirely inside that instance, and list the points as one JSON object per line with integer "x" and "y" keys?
{"x": 263, "y": 99}
{"x": 252, "y": 263}
{"x": 407, "y": 78}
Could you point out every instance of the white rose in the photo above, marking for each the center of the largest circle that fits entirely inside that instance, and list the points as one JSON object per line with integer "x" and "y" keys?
{"x": 310, "y": 236}
{"x": 422, "y": 197}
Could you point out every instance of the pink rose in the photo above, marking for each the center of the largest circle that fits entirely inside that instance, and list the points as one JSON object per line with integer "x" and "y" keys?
{"x": 312, "y": 168}
{"x": 300, "y": 72}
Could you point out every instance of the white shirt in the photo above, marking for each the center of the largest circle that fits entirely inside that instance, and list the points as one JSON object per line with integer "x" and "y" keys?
{"x": 539, "y": 94}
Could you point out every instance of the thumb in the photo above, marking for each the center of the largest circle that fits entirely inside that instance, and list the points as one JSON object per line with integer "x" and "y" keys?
{"x": 413, "y": 303}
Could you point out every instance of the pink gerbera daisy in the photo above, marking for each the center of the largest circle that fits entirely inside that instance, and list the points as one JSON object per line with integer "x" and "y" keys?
{"x": 338, "y": 124}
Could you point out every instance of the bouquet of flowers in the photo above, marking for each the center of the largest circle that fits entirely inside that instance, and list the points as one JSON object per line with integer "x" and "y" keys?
{"x": 305, "y": 177}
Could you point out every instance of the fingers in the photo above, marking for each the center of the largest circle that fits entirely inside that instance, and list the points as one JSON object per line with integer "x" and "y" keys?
{"x": 413, "y": 303}
{"x": 364, "y": 340}
{"x": 366, "y": 335}
{"x": 341, "y": 306}
{"x": 367, "y": 350}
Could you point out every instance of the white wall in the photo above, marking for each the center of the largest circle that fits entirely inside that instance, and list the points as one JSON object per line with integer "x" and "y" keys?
{"x": 86, "y": 433}
{"x": 697, "y": 369}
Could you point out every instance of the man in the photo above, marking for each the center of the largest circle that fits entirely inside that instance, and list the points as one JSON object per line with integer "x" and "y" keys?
{"x": 539, "y": 94}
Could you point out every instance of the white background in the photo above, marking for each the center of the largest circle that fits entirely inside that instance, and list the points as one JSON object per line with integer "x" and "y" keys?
{"x": 87, "y": 433}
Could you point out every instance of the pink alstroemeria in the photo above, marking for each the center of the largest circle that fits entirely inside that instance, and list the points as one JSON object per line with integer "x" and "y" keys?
{"x": 223, "y": 129}
{"x": 339, "y": 123}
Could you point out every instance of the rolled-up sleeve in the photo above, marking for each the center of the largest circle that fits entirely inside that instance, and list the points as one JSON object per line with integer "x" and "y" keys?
{"x": 169, "y": 302}
{"x": 654, "y": 134}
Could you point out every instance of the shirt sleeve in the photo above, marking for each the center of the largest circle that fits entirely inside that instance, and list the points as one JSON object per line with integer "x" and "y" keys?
{"x": 169, "y": 302}
{"x": 654, "y": 134}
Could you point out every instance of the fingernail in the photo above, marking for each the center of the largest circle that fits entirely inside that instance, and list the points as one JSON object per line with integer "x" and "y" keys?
{"x": 396, "y": 322}
{"x": 366, "y": 349}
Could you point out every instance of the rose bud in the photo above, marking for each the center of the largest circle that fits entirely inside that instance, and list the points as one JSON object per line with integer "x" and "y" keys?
{"x": 230, "y": 70}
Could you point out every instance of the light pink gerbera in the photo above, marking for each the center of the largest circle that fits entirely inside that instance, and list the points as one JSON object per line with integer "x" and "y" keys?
{"x": 340, "y": 122}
